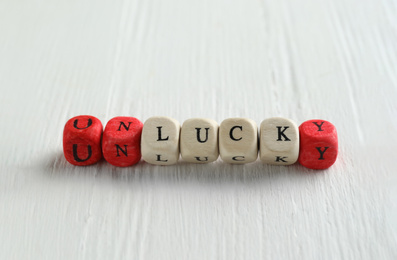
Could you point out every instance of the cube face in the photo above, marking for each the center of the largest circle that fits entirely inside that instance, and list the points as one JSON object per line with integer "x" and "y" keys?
{"x": 82, "y": 140}
{"x": 279, "y": 141}
{"x": 199, "y": 140}
{"x": 160, "y": 140}
{"x": 318, "y": 144}
{"x": 238, "y": 140}
{"x": 121, "y": 141}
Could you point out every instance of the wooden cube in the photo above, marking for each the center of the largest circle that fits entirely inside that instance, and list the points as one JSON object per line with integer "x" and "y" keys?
{"x": 279, "y": 141}
{"x": 318, "y": 144}
{"x": 122, "y": 140}
{"x": 199, "y": 140}
{"x": 238, "y": 140}
{"x": 160, "y": 140}
{"x": 82, "y": 140}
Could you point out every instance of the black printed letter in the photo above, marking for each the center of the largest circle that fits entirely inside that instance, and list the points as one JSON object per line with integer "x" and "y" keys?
{"x": 88, "y": 124}
{"x": 231, "y": 133}
{"x": 76, "y": 157}
{"x": 121, "y": 149}
{"x": 198, "y": 135}
{"x": 281, "y": 158}
{"x": 159, "y": 135}
{"x": 126, "y": 127}
{"x": 321, "y": 152}
{"x": 319, "y": 126}
{"x": 159, "y": 158}
{"x": 198, "y": 159}
{"x": 281, "y": 133}
{"x": 235, "y": 158}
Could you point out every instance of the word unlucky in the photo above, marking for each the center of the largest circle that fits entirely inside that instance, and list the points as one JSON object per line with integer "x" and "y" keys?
{"x": 161, "y": 141}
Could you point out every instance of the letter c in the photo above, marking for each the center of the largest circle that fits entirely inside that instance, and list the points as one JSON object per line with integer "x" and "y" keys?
{"x": 235, "y": 158}
{"x": 231, "y": 132}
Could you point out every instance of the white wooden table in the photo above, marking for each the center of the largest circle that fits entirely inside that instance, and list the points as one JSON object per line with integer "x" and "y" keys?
{"x": 334, "y": 60}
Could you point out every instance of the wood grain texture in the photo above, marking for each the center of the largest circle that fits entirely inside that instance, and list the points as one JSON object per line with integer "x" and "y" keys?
{"x": 335, "y": 60}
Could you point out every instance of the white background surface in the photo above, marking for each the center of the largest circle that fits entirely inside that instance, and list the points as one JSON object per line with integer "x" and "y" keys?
{"x": 334, "y": 60}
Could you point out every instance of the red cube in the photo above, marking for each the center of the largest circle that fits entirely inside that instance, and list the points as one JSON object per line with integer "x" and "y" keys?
{"x": 318, "y": 144}
{"x": 82, "y": 140}
{"x": 121, "y": 144}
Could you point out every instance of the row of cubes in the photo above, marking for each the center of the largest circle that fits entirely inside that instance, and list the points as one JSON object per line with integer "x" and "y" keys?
{"x": 161, "y": 141}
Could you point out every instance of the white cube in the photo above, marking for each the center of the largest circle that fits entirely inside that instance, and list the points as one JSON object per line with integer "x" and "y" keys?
{"x": 238, "y": 140}
{"x": 199, "y": 140}
{"x": 160, "y": 140}
{"x": 279, "y": 141}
